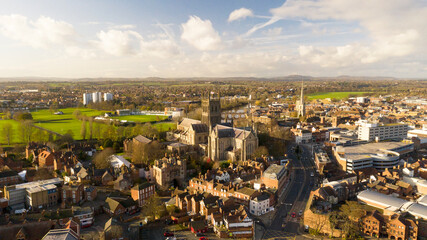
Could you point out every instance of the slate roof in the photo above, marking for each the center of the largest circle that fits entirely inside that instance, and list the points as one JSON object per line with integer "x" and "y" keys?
{"x": 200, "y": 128}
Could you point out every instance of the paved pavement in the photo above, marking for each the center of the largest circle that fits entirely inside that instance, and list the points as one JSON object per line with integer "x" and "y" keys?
{"x": 294, "y": 199}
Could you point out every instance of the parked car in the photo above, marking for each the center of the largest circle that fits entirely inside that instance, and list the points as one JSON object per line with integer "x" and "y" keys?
{"x": 293, "y": 215}
{"x": 300, "y": 213}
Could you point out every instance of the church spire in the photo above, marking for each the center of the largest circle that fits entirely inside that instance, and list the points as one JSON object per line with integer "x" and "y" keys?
{"x": 300, "y": 103}
{"x": 302, "y": 92}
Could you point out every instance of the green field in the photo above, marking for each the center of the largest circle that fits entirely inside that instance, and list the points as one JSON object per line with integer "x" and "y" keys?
{"x": 165, "y": 126}
{"x": 63, "y": 123}
{"x": 15, "y": 132}
{"x": 336, "y": 95}
{"x": 141, "y": 118}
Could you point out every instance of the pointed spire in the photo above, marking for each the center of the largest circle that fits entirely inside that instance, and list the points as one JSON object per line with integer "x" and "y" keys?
{"x": 302, "y": 92}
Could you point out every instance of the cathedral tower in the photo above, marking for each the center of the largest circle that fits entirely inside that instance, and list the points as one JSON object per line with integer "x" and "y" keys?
{"x": 211, "y": 110}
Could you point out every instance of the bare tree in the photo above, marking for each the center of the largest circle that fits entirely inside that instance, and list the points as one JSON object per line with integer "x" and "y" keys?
{"x": 83, "y": 129}
{"x": 26, "y": 128}
{"x": 7, "y": 132}
{"x": 101, "y": 158}
{"x": 90, "y": 128}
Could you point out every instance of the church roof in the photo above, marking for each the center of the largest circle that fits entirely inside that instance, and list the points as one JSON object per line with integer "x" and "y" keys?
{"x": 200, "y": 127}
{"x": 187, "y": 122}
{"x": 225, "y": 131}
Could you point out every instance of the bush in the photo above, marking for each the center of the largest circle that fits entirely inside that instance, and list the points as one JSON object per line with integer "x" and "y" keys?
{"x": 107, "y": 143}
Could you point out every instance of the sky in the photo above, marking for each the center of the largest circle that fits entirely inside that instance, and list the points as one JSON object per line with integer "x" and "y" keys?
{"x": 221, "y": 38}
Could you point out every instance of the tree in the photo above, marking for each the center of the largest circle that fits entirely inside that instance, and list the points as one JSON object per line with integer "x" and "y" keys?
{"x": 83, "y": 129}
{"x": 334, "y": 221}
{"x": 153, "y": 207}
{"x": 260, "y": 151}
{"x": 101, "y": 159}
{"x": 116, "y": 147}
{"x": 7, "y": 132}
{"x": 90, "y": 128}
{"x": 22, "y": 116}
{"x": 54, "y": 107}
{"x": 108, "y": 143}
{"x": 77, "y": 113}
{"x": 149, "y": 131}
{"x": 115, "y": 232}
{"x": 26, "y": 128}
{"x": 97, "y": 130}
{"x": 43, "y": 174}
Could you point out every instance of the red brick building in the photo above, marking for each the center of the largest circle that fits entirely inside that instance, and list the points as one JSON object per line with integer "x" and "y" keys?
{"x": 72, "y": 193}
{"x": 142, "y": 192}
{"x": 375, "y": 224}
{"x": 8, "y": 178}
{"x": 46, "y": 159}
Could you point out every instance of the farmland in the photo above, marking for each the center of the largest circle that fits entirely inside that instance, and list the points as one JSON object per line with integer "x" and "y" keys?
{"x": 336, "y": 95}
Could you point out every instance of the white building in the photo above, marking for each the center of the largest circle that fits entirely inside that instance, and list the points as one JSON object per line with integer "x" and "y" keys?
{"x": 96, "y": 97}
{"x": 87, "y": 98}
{"x": 361, "y": 99}
{"x": 260, "y": 204}
{"x": 108, "y": 96}
{"x": 376, "y": 131}
{"x": 378, "y": 155}
{"x": 118, "y": 161}
{"x": 303, "y": 136}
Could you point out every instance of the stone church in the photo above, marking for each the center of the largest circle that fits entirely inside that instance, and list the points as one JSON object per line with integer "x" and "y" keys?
{"x": 219, "y": 141}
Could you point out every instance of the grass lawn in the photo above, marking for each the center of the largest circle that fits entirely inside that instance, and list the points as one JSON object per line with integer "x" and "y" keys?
{"x": 165, "y": 126}
{"x": 15, "y": 132}
{"x": 336, "y": 95}
{"x": 65, "y": 122}
{"x": 141, "y": 118}
{"x": 62, "y": 123}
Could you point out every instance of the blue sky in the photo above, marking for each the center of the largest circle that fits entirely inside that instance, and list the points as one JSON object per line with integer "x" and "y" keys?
{"x": 106, "y": 38}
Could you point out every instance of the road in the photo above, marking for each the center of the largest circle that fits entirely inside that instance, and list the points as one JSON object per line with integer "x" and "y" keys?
{"x": 294, "y": 199}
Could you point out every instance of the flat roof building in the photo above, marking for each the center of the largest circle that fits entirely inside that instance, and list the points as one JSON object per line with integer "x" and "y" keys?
{"x": 377, "y": 131}
{"x": 380, "y": 155}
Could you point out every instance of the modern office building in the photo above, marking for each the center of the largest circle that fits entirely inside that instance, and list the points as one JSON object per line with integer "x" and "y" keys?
{"x": 377, "y": 132}
{"x": 380, "y": 155}
{"x": 35, "y": 194}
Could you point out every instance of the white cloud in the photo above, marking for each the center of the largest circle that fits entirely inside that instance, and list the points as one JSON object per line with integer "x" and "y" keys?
{"x": 396, "y": 28}
{"x": 120, "y": 43}
{"x": 41, "y": 33}
{"x": 241, "y": 13}
{"x": 124, "y": 26}
{"x": 131, "y": 43}
{"x": 200, "y": 34}
{"x": 255, "y": 28}
{"x": 273, "y": 32}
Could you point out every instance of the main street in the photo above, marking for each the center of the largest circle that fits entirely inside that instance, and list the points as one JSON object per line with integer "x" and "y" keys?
{"x": 294, "y": 197}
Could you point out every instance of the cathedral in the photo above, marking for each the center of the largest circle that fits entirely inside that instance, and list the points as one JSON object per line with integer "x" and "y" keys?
{"x": 219, "y": 141}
